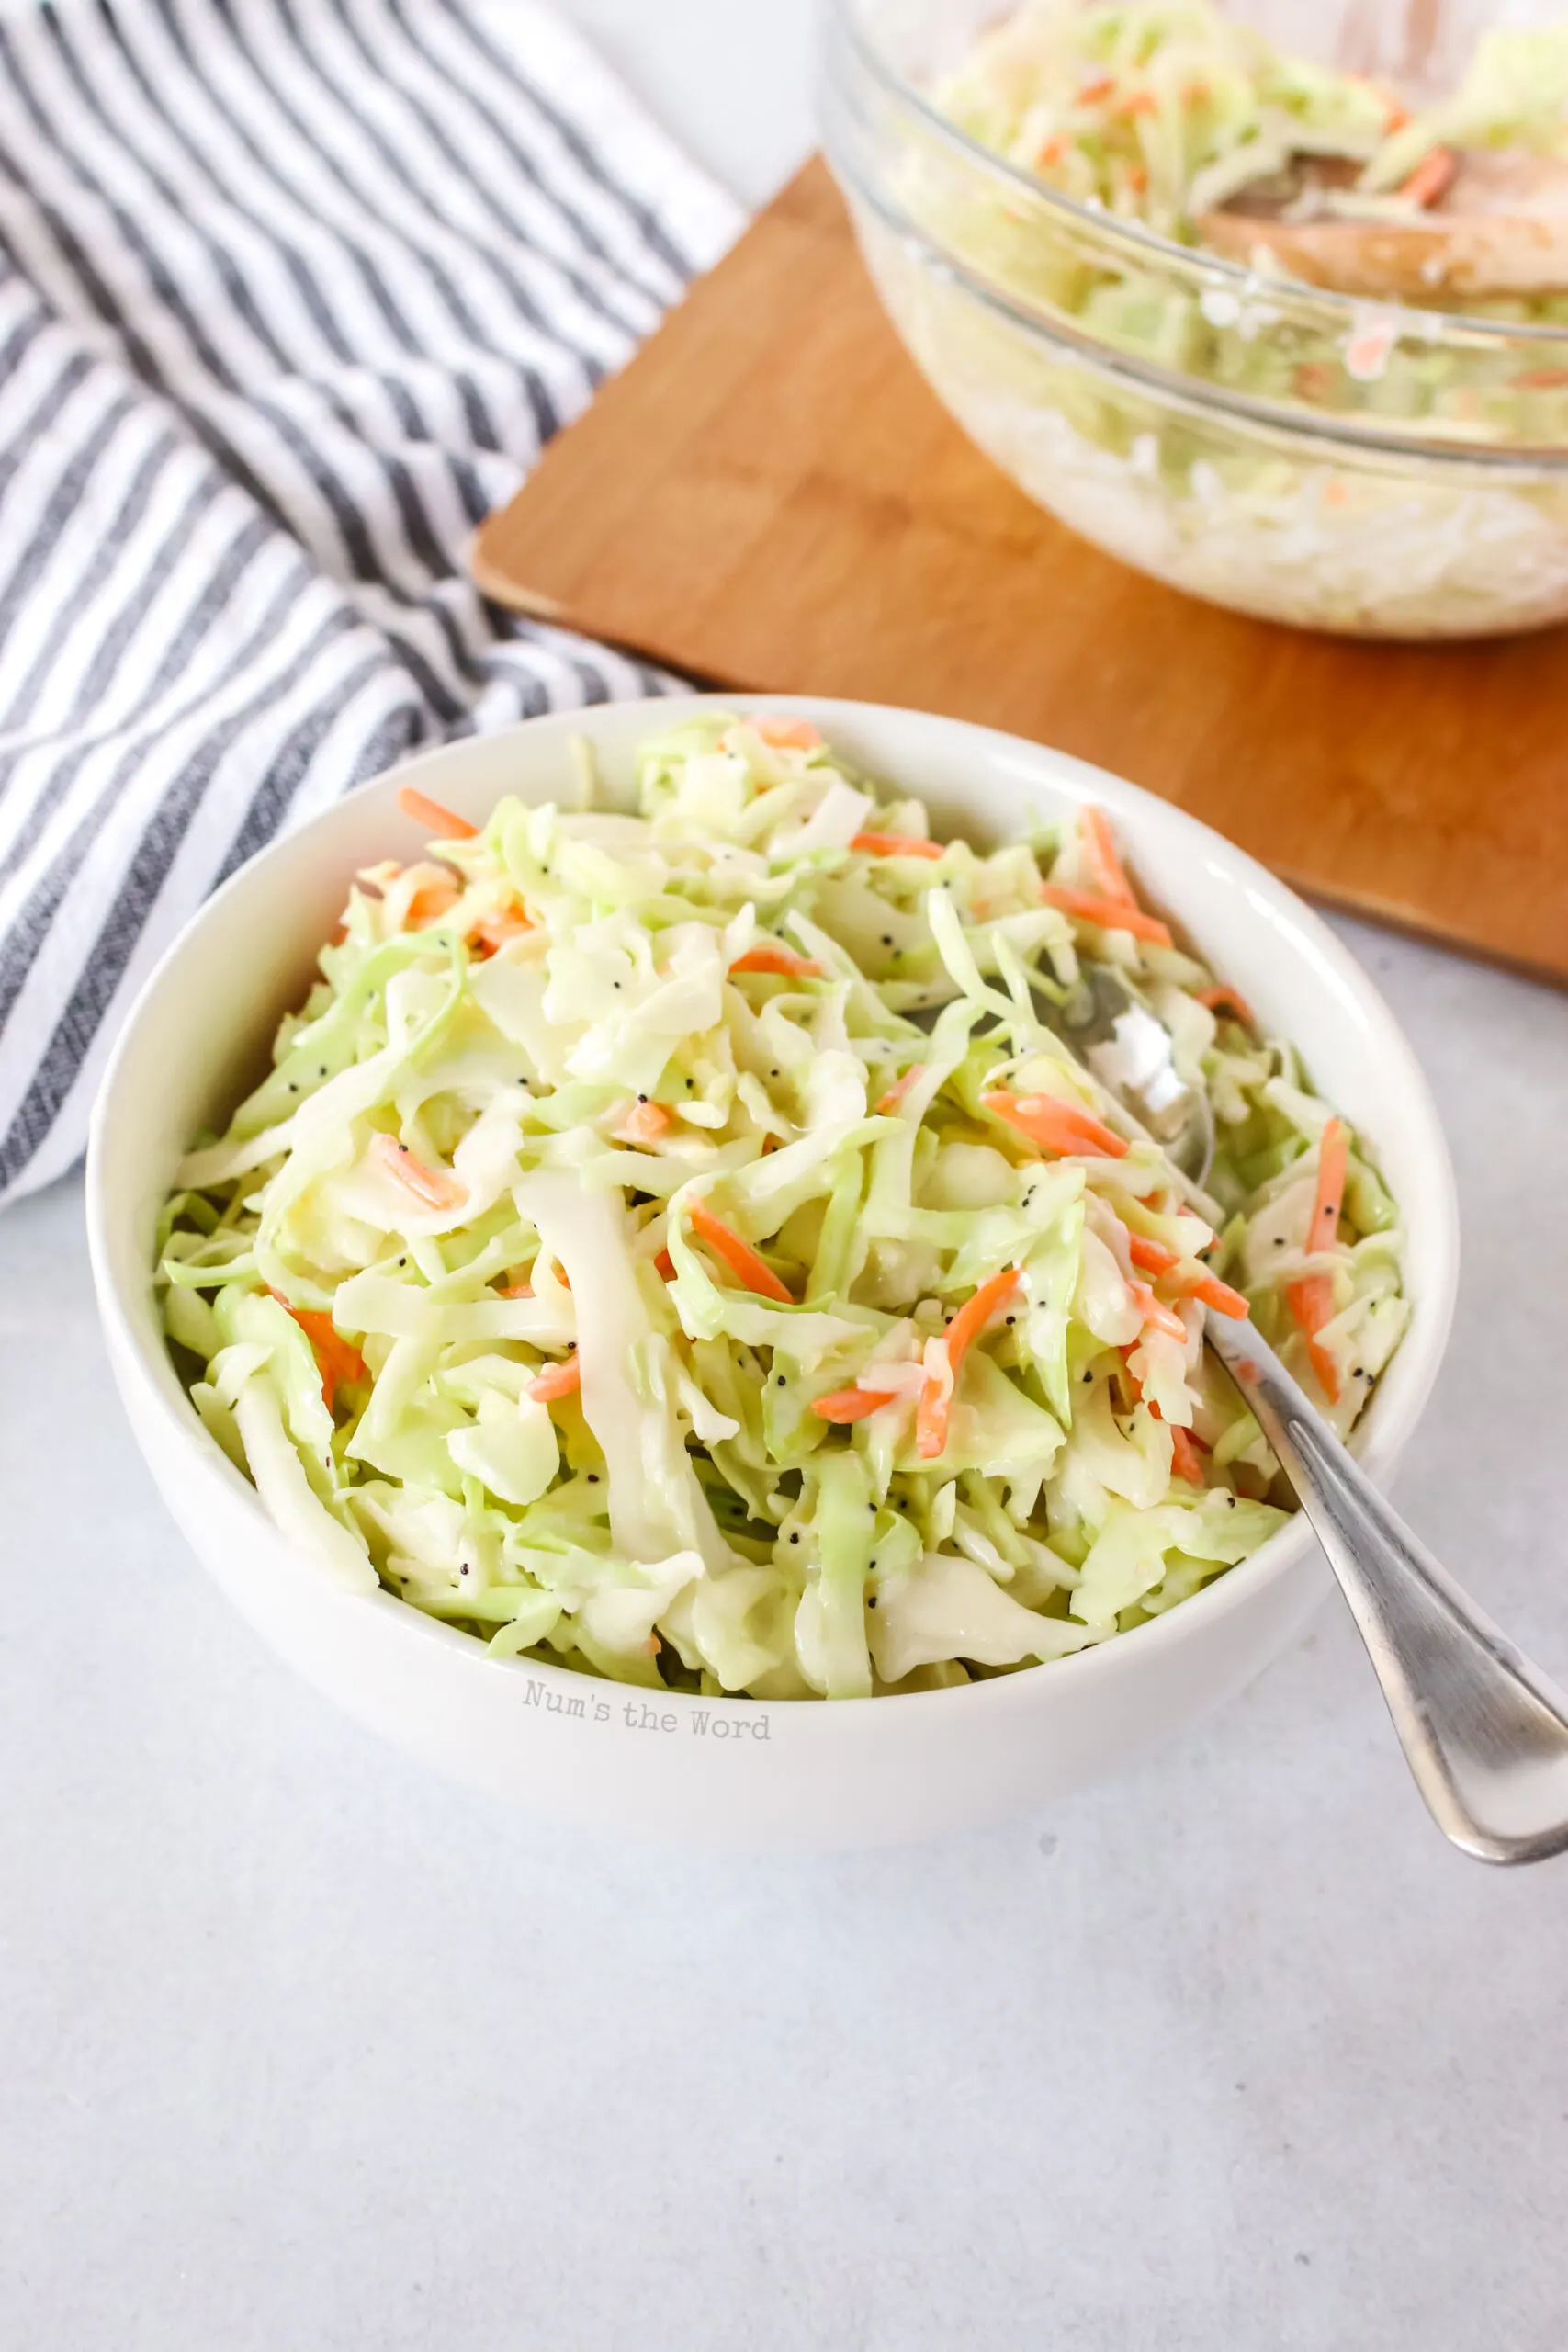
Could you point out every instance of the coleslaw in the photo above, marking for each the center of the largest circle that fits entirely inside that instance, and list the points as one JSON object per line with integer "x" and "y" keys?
{"x": 680, "y": 1246}
{"x": 1162, "y": 111}
{"x": 1376, "y": 460}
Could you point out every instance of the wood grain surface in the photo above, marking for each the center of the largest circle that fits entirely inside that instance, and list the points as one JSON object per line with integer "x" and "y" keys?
{"x": 770, "y": 498}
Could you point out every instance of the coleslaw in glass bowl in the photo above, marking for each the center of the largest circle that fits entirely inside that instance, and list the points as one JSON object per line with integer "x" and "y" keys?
{"x": 681, "y": 1246}
{"x": 1037, "y": 200}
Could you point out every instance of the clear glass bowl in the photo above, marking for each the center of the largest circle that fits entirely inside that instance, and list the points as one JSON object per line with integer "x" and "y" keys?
{"x": 1370, "y": 468}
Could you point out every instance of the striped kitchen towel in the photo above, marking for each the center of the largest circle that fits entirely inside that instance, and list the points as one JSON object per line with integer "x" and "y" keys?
{"x": 291, "y": 293}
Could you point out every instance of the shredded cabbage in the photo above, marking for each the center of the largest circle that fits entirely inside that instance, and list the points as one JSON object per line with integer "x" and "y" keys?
{"x": 1159, "y": 110}
{"x": 643, "y": 1252}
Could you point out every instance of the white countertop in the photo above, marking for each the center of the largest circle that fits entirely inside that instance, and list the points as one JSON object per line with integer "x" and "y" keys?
{"x": 299, "y": 2050}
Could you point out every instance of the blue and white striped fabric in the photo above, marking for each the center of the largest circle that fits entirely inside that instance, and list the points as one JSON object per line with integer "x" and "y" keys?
{"x": 291, "y": 293}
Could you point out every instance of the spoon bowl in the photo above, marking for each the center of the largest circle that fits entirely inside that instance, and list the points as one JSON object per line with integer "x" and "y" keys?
{"x": 1132, "y": 1053}
{"x": 1499, "y": 228}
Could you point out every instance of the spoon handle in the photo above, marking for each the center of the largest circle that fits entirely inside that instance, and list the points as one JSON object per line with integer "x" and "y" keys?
{"x": 1484, "y": 1733}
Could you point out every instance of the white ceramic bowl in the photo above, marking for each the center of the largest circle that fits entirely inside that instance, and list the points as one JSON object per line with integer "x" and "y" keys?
{"x": 739, "y": 1771}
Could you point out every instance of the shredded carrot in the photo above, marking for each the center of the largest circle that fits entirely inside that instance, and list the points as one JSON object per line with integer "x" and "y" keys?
{"x": 936, "y": 1398}
{"x": 429, "y": 903}
{"x": 433, "y": 1188}
{"x": 900, "y": 1087}
{"x": 560, "y": 1380}
{"x": 848, "y": 1404}
{"x": 751, "y": 1271}
{"x": 664, "y": 1265}
{"x": 1216, "y": 999}
{"x": 1184, "y": 1459}
{"x": 931, "y": 1415}
{"x": 1396, "y": 117}
{"x": 1333, "y": 1165}
{"x": 1311, "y": 1301}
{"x": 338, "y": 1360}
{"x": 1141, "y": 102}
{"x": 1366, "y": 354}
{"x": 1110, "y": 875}
{"x": 1541, "y": 379}
{"x": 646, "y": 1122}
{"x": 1157, "y": 1259}
{"x": 1051, "y": 152}
{"x": 1055, "y": 1126}
{"x": 1155, "y": 1311}
{"x": 897, "y": 846}
{"x": 789, "y": 734}
{"x": 443, "y": 822}
{"x": 1109, "y": 913}
{"x": 1220, "y": 1297}
{"x": 494, "y": 931}
{"x": 1092, "y": 92}
{"x": 1432, "y": 177}
{"x": 774, "y": 958}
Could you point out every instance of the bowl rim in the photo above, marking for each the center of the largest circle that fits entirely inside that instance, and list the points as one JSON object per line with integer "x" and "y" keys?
{"x": 140, "y": 1356}
{"x": 1344, "y": 310}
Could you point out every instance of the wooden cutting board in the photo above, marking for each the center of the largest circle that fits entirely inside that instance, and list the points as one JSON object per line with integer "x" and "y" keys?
{"x": 770, "y": 498}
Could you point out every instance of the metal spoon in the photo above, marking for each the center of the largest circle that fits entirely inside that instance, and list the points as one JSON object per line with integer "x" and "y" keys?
{"x": 1485, "y": 1733}
{"x": 1130, "y": 1052}
{"x": 1499, "y": 227}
